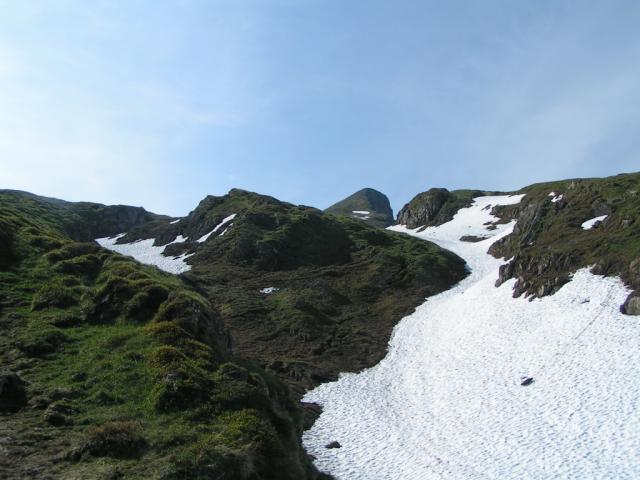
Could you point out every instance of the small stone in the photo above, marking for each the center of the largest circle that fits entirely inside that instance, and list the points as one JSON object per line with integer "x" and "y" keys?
{"x": 56, "y": 415}
{"x": 62, "y": 394}
{"x": 333, "y": 444}
{"x": 632, "y": 305}
{"x": 79, "y": 377}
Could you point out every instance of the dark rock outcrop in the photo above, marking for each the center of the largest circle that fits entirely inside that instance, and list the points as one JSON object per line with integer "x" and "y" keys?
{"x": 472, "y": 238}
{"x": 435, "y": 207}
{"x": 13, "y": 395}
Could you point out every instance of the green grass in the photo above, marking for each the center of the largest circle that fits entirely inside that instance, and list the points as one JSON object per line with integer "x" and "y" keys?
{"x": 131, "y": 355}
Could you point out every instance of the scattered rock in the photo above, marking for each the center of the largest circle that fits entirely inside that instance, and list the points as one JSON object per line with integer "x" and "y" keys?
{"x": 13, "y": 395}
{"x": 40, "y": 402}
{"x": 526, "y": 381}
{"x": 79, "y": 377}
{"x": 62, "y": 394}
{"x": 57, "y": 415}
{"x": 333, "y": 444}
{"x": 472, "y": 238}
{"x": 174, "y": 377}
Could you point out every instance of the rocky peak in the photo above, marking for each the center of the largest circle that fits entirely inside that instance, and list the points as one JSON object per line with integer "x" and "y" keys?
{"x": 368, "y": 205}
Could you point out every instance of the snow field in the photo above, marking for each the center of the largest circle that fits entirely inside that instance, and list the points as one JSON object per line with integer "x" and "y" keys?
{"x": 446, "y": 401}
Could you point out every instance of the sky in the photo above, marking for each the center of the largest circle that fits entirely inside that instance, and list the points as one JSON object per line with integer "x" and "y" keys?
{"x": 159, "y": 103}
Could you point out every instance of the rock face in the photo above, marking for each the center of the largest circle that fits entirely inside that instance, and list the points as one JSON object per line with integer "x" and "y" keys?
{"x": 12, "y": 392}
{"x": 548, "y": 242}
{"x": 435, "y": 207}
{"x": 368, "y": 205}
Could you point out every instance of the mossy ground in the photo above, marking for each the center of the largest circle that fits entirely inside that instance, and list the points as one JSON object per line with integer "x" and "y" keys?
{"x": 134, "y": 363}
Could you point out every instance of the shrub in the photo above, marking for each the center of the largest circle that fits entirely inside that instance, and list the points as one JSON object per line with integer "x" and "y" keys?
{"x": 179, "y": 384}
{"x": 41, "y": 340}
{"x": 117, "y": 439}
{"x": 54, "y": 295}
{"x": 144, "y": 304}
{"x": 87, "y": 266}
{"x": 239, "y": 448}
{"x": 72, "y": 250}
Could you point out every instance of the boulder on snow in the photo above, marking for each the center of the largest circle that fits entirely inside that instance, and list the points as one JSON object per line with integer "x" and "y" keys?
{"x": 333, "y": 444}
{"x": 526, "y": 381}
{"x": 472, "y": 238}
{"x": 631, "y": 306}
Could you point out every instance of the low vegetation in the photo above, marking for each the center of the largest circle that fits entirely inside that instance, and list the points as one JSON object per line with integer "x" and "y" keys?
{"x": 549, "y": 243}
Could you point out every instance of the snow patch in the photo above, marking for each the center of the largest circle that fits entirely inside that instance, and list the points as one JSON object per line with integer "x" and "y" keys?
{"x": 589, "y": 224}
{"x": 217, "y": 227}
{"x": 556, "y": 198}
{"x": 269, "y": 290}
{"x": 447, "y": 400}
{"x": 361, "y": 212}
{"x": 226, "y": 230}
{"x": 175, "y": 221}
{"x": 145, "y": 252}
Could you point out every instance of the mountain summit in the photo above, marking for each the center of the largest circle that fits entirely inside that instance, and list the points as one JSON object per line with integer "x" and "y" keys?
{"x": 367, "y": 204}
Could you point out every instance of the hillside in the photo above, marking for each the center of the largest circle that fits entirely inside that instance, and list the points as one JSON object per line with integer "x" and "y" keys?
{"x": 113, "y": 369}
{"x": 81, "y": 221}
{"x": 571, "y": 224}
{"x": 116, "y": 370}
{"x": 305, "y": 294}
{"x": 369, "y": 205}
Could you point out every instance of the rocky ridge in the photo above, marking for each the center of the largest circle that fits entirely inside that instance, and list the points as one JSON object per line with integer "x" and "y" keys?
{"x": 556, "y": 234}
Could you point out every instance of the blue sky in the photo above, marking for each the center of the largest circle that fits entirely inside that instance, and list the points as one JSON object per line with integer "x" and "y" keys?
{"x": 158, "y": 103}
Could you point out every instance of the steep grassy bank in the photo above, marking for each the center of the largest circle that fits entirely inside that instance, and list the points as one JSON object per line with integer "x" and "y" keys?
{"x": 126, "y": 372}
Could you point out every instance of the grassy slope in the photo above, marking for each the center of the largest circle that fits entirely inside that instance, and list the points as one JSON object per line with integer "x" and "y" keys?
{"x": 131, "y": 366}
{"x": 137, "y": 367}
{"x": 82, "y": 221}
{"x": 549, "y": 244}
